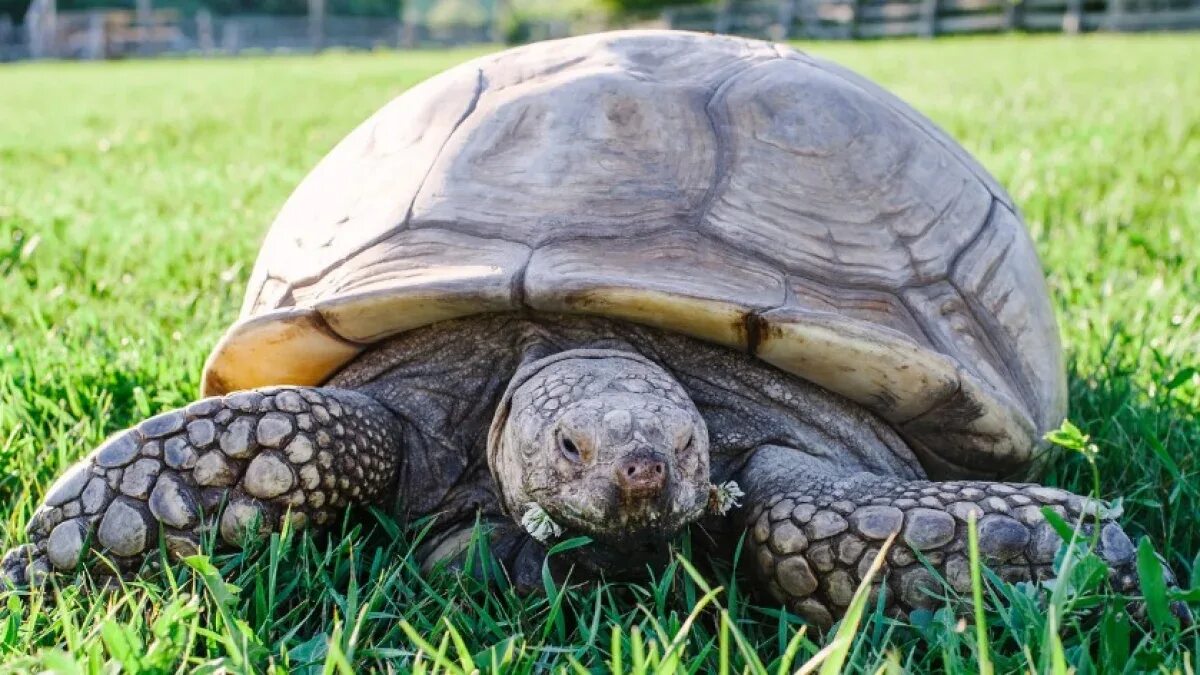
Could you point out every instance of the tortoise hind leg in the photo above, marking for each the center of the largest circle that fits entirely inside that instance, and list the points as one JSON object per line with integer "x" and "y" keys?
{"x": 265, "y": 456}
{"x": 813, "y": 534}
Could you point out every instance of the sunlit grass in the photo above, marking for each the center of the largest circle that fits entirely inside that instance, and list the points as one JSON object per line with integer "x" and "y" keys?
{"x": 132, "y": 199}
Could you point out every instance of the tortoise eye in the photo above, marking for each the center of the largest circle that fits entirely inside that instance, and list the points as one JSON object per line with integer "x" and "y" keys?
{"x": 568, "y": 448}
{"x": 687, "y": 447}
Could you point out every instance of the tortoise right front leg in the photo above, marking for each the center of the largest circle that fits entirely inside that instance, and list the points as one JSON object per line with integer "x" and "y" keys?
{"x": 263, "y": 456}
{"x": 509, "y": 546}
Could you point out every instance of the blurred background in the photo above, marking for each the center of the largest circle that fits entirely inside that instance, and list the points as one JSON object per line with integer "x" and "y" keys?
{"x": 105, "y": 29}
{"x": 136, "y": 186}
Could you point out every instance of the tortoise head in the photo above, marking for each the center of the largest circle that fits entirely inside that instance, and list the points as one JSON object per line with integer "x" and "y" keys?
{"x": 601, "y": 443}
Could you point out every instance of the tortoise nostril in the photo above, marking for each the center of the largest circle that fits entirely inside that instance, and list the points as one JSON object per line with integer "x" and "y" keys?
{"x": 642, "y": 475}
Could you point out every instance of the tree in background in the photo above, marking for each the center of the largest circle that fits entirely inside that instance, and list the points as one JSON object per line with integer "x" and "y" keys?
{"x": 447, "y": 12}
{"x": 643, "y": 7}
{"x": 14, "y": 9}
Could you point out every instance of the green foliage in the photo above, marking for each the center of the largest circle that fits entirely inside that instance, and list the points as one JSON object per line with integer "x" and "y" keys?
{"x": 647, "y": 7}
{"x": 450, "y": 12}
{"x": 132, "y": 200}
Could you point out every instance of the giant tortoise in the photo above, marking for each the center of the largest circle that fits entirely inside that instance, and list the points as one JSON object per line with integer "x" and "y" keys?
{"x": 621, "y": 286}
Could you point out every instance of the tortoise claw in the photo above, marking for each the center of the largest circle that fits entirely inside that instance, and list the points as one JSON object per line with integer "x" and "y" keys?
{"x": 23, "y": 566}
{"x": 1183, "y": 613}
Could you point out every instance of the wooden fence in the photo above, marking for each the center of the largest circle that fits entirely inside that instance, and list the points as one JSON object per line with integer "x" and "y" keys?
{"x": 239, "y": 33}
{"x": 109, "y": 33}
{"x": 106, "y": 34}
{"x": 101, "y": 34}
{"x": 851, "y": 19}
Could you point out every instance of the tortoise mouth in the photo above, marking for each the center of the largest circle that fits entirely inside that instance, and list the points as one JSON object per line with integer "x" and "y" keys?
{"x": 599, "y": 508}
{"x": 625, "y": 555}
{"x": 626, "y": 562}
{"x": 622, "y": 528}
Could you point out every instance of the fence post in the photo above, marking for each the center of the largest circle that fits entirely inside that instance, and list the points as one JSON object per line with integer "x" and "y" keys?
{"x": 143, "y": 19}
{"x": 93, "y": 49}
{"x": 1115, "y": 20}
{"x": 1014, "y": 11}
{"x": 786, "y": 17}
{"x": 41, "y": 26}
{"x": 1072, "y": 23}
{"x": 724, "y": 17}
{"x": 409, "y": 21}
{"x": 499, "y": 20}
{"x": 929, "y": 17}
{"x": 316, "y": 24}
{"x": 854, "y": 18}
{"x": 204, "y": 31}
{"x": 6, "y": 29}
{"x": 231, "y": 37}
{"x": 6, "y": 38}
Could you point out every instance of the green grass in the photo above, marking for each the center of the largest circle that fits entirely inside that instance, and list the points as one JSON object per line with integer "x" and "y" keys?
{"x": 132, "y": 199}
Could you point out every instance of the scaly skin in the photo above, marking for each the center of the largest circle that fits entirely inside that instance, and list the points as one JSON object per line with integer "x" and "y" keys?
{"x": 253, "y": 457}
{"x": 812, "y": 540}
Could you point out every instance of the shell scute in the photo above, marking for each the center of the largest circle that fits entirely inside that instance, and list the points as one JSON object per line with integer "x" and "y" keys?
{"x": 861, "y": 198}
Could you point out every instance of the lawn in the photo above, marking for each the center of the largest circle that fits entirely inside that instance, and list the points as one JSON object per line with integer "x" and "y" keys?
{"x": 132, "y": 200}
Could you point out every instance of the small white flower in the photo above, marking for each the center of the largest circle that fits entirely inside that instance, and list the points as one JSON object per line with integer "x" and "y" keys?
{"x": 539, "y": 524}
{"x": 725, "y": 497}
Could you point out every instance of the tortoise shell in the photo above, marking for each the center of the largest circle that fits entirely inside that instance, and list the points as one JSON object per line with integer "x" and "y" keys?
{"x": 732, "y": 190}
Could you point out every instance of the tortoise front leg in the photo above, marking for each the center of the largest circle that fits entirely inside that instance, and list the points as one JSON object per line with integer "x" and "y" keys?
{"x": 813, "y": 534}
{"x": 262, "y": 456}
{"x": 509, "y": 547}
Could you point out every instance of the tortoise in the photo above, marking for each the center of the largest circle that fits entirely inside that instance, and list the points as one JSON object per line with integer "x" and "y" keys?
{"x": 623, "y": 286}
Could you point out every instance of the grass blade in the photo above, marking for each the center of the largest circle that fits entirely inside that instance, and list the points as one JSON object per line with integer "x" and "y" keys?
{"x": 1154, "y": 589}
{"x": 843, "y": 640}
{"x": 981, "y": 638}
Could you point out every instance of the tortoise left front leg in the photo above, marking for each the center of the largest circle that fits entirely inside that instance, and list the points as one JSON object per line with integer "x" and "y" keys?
{"x": 813, "y": 532}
